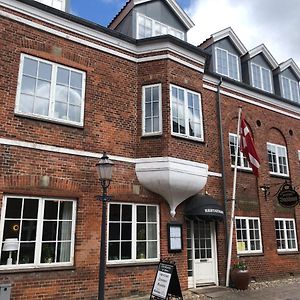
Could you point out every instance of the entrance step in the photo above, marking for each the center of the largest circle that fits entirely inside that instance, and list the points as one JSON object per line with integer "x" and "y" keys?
{"x": 212, "y": 292}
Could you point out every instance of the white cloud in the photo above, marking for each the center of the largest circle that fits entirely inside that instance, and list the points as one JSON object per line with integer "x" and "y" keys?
{"x": 274, "y": 23}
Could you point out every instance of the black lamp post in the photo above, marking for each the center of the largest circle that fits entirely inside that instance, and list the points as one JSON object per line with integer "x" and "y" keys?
{"x": 104, "y": 169}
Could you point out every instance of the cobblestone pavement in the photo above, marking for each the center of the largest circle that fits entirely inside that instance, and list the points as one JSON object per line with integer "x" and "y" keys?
{"x": 283, "y": 289}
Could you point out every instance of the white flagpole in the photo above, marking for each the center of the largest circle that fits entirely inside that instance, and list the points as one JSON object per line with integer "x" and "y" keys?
{"x": 233, "y": 199}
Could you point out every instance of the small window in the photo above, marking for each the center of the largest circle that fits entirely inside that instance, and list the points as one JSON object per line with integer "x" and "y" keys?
{"x": 58, "y": 4}
{"x": 286, "y": 238}
{"x": 248, "y": 235}
{"x": 186, "y": 113}
{"x": 152, "y": 114}
{"x": 278, "y": 163}
{"x": 290, "y": 89}
{"x": 261, "y": 78}
{"x": 133, "y": 233}
{"x": 43, "y": 231}
{"x": 50, "y": 91}
{"x": 147, "y": 27}
{"x": 242, "y": 161}
{"x": 227, "y": 64}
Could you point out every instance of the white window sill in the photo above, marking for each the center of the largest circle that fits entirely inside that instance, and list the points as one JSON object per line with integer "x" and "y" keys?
{"x": 186, "y": 137}
{"x": 46, "y": 268}
{"x": 150, "y": 134}
{"x": 48, "y": 119}
{"x": 132, "y": 263}
{"x": 279, "y": 175}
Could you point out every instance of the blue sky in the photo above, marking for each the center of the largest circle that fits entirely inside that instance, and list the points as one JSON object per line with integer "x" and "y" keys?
{"x": 103, "y": 11}
{"x": 270, "y": 22}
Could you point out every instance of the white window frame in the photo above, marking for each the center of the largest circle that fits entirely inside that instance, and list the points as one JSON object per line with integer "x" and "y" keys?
{"x": 134, "y": 222}
{"x": 170, "y": 30}
{"x": 242, "y": 165}
{"x": 248, "y": 239}
{"x": 39, "y": 232}
{"x": 261, "y": 78}
{"x": 277, "y": 148}
{"x": 290, "y": 91}
{"x": 285, "y": 238}
{"x": 51, "y": 112}
{"x": 186, "y": 114}
{"x": 159, "y": 131}
{"x": 52, "y": 3}
{"x": 227, "y": 61}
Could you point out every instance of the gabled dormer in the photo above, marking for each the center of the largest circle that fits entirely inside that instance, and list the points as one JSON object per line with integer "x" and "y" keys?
{"x": 226, "y": 50}
{"x": 286, "y": 80}
{"x": 58, "y": 4}
{"x": 258, "y": 65}
{"x": 146, "y": 18}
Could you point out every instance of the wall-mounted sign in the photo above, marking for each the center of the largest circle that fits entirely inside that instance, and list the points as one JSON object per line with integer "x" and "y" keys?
{"x": 287, "y": 196}
{"x": 166, "y": 282}
{"x": 175, "y": 237}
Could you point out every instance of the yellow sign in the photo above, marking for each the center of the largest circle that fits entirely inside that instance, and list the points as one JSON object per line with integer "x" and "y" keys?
{"x": 241, "y": 246}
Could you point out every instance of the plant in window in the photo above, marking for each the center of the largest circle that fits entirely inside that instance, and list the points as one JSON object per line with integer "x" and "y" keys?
{"x": 47, "y": 254}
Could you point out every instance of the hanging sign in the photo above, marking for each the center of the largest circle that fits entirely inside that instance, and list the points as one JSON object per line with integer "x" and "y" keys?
{"x": 166, "y": 282}
{"x": 287, "y": 196}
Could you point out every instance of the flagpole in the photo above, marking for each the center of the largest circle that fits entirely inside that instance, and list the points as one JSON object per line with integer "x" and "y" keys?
{"x": 233, "y": 199}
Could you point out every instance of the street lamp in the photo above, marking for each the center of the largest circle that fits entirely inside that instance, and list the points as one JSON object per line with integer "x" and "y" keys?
{"x": 104, "y": 169}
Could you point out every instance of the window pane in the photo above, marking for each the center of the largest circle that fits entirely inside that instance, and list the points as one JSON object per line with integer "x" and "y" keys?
{"x": 26, "y": 253}
{"x": 63, "y": 251}
{"x": 126, "y": 231}
{"x": 48, "y": 253}
{"x": 114, "y": 212}
{"x": 74, "y": 113}
{"x": 11, "y": 229}
{"x": 28, "y": 85}
{"x": 141, "y": 213}
{"x": 30, "y": 208}
{"x": 30, "y": 67}
{"x": 41, "y": 107}
{"x": 61, "y": 93}
{"x": 61, "y": 110}
{"x": 26, "y": 104}
{"x": 152, "y": 249}
{"x": 49, "y": 230}
{"x": 151, "y": 213}
{"x": 28, "y": 230}
{"x": 76, "y": 80}
{"x": 152, "y": 232}
{"x": 126, "y": 212}
{"x": 141, "y": 232}
{"x": 45, "y": 71}
{"x": 126, "y": 250}
{"x": 75, "y": 97}
{"x": 65, "y": 210}
{"x": 141, "y": 250}
{"x": 113, "y": 251}
{"x": 13, "y": 208}
{"x": 114, "y": 231}
{"x": 51, "y": 209}
{"x": 63, "y": 76}
{"x": 65, "y": 230}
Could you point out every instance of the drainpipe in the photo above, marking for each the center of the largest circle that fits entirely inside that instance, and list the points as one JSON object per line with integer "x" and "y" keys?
{"x": 219, "y": 110}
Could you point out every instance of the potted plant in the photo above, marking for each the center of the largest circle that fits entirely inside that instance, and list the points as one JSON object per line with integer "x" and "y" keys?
{"x": 240, "y": 275}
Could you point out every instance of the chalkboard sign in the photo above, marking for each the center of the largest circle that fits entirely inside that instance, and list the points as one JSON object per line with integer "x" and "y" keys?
{"x": 166, "y": 282}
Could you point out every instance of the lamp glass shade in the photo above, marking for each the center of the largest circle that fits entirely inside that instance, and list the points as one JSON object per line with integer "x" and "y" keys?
{"x": 104, "y": 168}
{"x": 10, "y": 245}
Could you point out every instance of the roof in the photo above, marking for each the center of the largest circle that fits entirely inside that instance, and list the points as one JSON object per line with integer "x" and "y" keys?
{"x": 180, "y": 13}
{"x": 225, "y": 33}
{"x": 262, "y": 49}
{"x": 290, "y": 63}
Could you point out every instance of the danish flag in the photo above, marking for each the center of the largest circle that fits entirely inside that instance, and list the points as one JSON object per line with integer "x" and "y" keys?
{"x": 247, "y": 147}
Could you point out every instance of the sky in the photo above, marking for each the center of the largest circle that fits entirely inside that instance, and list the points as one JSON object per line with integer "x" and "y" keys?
{"x": 274, "y": 23}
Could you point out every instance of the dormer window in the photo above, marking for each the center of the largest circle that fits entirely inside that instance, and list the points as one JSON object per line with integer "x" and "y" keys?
{"x": 290, "y": 89}
{"x": 147, "y": 27}
{"x": 227, "y": 64}
{"x": 58, "y": 4}
{"x": 261, "y": 78}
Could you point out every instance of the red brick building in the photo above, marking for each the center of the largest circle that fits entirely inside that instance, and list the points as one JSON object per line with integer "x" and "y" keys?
{"x": 71, "y": 90}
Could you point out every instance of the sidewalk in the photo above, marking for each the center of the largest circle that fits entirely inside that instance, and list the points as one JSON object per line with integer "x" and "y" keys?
{"x": 283, "y": 289}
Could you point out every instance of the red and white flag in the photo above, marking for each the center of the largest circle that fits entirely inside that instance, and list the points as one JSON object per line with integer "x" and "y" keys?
{"x": 247, "y": 147}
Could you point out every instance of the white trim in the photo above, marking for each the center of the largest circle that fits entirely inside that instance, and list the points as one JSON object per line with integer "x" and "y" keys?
{"x": 228, "y": 32}
{"x": 290, "y": 81}
{"x": 249, "y": 251}
{"x": 246, "y": 92}
{"x": 69, "y": 151}
{"x": 261, "y": 78}
{"x": 95, "y": 35}
{"x": 159, "y": 107}
{"x": 186, "y": 113}
{"x": 289, "y": 63}
{"x": 299, "y": 155}
{"x": 285, "y": 234}
{"x": 278, "y": 173}
{"x": 52, "y": 101}
{"x": 227, "y": 60}
{"x": 263, "y": 50}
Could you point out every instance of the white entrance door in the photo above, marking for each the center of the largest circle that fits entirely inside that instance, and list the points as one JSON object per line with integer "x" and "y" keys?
{"x": 202, "y": 254}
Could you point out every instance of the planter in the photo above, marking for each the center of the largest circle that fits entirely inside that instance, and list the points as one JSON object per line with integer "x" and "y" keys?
{"x": 240, "y": 278}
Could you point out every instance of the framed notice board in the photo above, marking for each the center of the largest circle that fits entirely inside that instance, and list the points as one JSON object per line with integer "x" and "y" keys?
{"x": 166, "y": 283}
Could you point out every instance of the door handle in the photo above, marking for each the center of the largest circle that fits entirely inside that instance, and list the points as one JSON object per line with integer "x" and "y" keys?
{"x": 203, "y": 260}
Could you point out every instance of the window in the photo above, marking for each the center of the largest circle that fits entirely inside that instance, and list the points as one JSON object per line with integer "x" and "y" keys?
{"x": 285, "y": 235}
{"x": 242, "y": 161}
{"x": 44, "y": 229}
{"x": 133, "y": 233}
{"x": 261, "y": 78}
{"x": 278, "y": 164}
{"x": 147, "y": 27}
{"x": 248, "y": 235}
{"x": 50, "y": 91}
{"x": 186, "y": 113}
{"x": 227, "y": 63}
{"x": 58, "y": 4}
{"x": 290, "y": 89}
{"x": 152, "y": 111}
